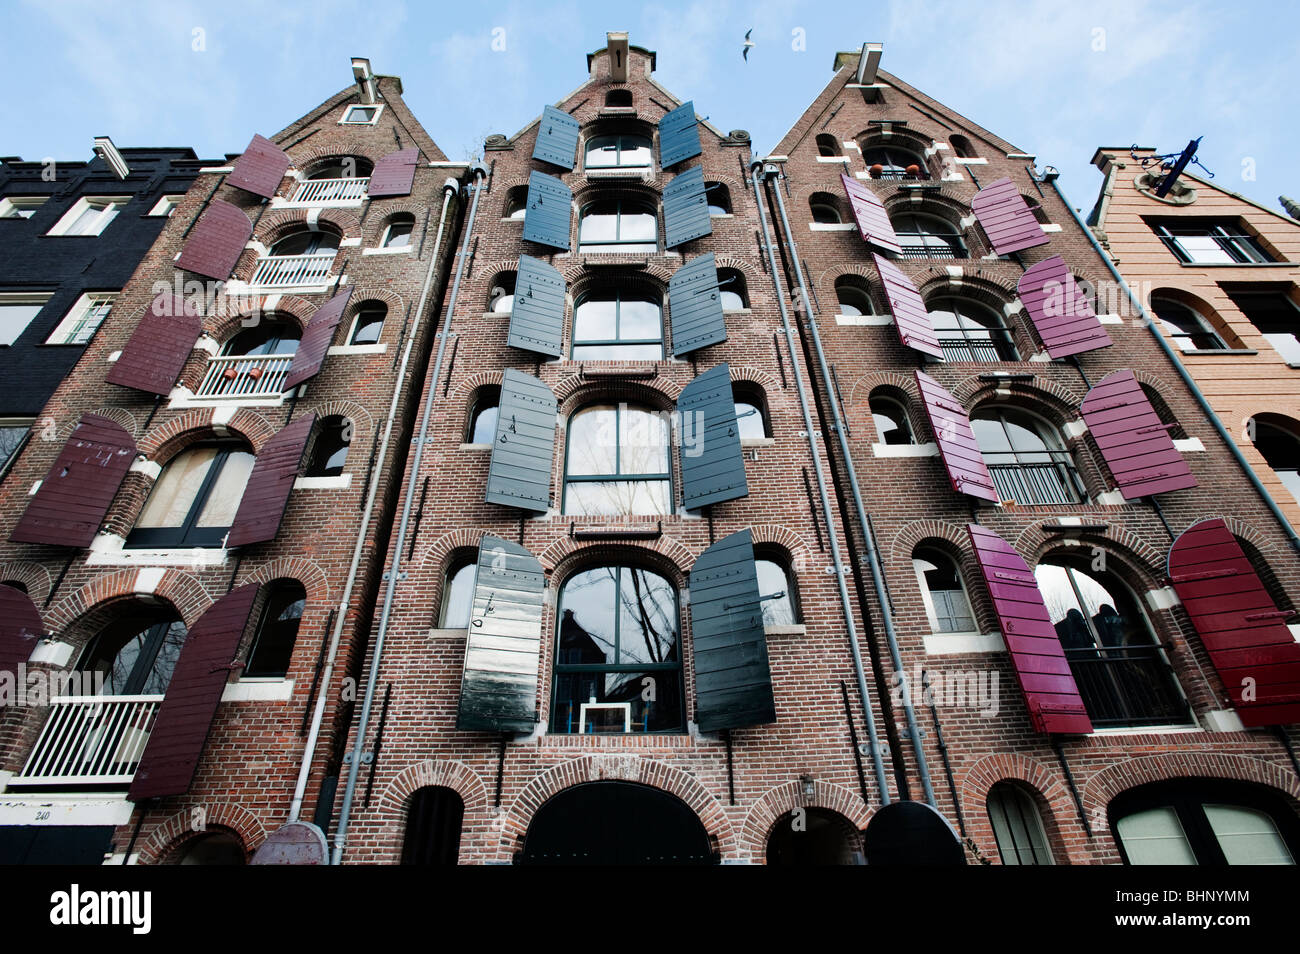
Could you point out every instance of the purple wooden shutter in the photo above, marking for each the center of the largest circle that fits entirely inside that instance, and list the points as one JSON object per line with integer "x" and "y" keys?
{"x": 869, "y": 212}
{"x": 309, "y": 357}
{"x": 911, "y": 320}
{"x": 1062, "y": 316}
{"x": 260, "y": 169}
{"x": 20, "y": 627}
{"x": 217, "y": 241}
{"x": 952, "y": 432}
{"x": 269, "y": 485}
{"x": 1005, "y": 217}
{"x": 78, "y": 490}
{"x": 185, "y": 715}
{"x": 1042, "y": 670}
{"x": 394, "y": 174}
{"x": 1137, "y": 447}
{"x": 159, "y": 347}
{"x": 1244, "y": 632}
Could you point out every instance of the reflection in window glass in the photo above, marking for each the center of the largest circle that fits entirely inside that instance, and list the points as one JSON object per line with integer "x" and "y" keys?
{"x": 621, "y": 225}
{"x": 968, "y": 331}
{"x": 618, "y": 326}
{"x": 620, "y": 150}
{"x": 892, "y": 423}
{"x": 617, "y": 462}
{"x": 1247, "y": 836}
{"x": 773, "y": 579}
{"x": 136, "y": 658}
{"x": 194, "y": 499}
{"x": 947, "y": 603}
{"x": 458, "y": 597}
{"x": 277, "y": 633}
{"x": 1281, "y": 450}
{"x": 1155, "y": 837}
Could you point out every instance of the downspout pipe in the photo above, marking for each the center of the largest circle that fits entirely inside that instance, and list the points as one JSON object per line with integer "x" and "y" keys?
{"x": 395, "y": 572}
{"x": 877, "y": 763}
{"x": 1183, "y": 373}
{"x": 873, "y": 558}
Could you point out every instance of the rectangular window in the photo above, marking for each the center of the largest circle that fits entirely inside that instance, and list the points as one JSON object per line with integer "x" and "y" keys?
{"x": 166, "y": 205}
{"x": 1210, "y": 241}
{"x": 89, "y": 215}
{"x": 81, "y": 323}
{"x": 20, "y": 206}
{"x": 17, "y": 310}
{"x": 13, "y": 435}
{"x": 360, "y": 115}
{"x": 1275, "y": 315}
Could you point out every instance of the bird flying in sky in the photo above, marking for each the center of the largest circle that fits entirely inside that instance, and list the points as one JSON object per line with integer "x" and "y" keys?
{"x": 748, "y": 44}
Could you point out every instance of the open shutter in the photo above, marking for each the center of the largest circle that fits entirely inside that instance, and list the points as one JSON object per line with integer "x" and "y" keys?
{"x": 217, "y": 241}
{"x": 309, "y": 357}
{"x": 1005, "y": 217}
{"x": 519, "y": 474}
{"x": 78, "y": 490}
{"x": 537, "y": 317}
{"x": 733, "y": 684}
{"x": 550, "y": 204}
{"x": 1062, "y": 316}
{"x": 267, "y": 494}
{"x": 557, "y": 138}
{"x": 498, "y": 686}
{"x": 869, "y": 212}
{"x": 686, "y": 208}
{"x": 159, "y": 347}
{"x": 713, "y": 465}
{"x": 394, "y": 174}
{"x": 1137, "y": 446}
{"x": 911, "y": 320}
{"x": 967, "y": 470}
{"x": 185, "y": 715}
{"x": 1244, "y": 632}
{"x": 679, "y": 135}
{"x": 695, "y": 306}
{"x": 1036, "y": 651}
{"x": 260, "y": 169}
{"x": 20, "y": 628}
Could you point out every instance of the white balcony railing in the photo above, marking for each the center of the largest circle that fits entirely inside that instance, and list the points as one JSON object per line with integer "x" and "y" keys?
{"x": 244, "y": 376}
{"x": 91, "y": 740}
{"x": 279, "y": 271}
{"x": 325, "y": 191}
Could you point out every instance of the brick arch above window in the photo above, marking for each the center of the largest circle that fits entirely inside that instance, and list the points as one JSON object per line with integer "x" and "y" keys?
{"x": 306, "y": 573}
{"x": 294, "y": 309}
{"x": 305, "y": 160}
{"x": 654, "y": 393}
{"x": 117, "y": 414}
{"x": 167, "y": 840}
{"x": 1047, "y": 398}
{"x": 275, "y": 226}
{"x": 666, "y": 555}
{"x": 770, "y": 808}
{"x": 82, "y": 614}
{"x": 952, "y": 540}
{"x": 167, "y": 440}
{"x": 471, "y": 385}
{"x": 1043, "y": 784}
{"x": 33, "y": 576}
{"x": 440, "y": 773}
{"x": 1206, "y": 311}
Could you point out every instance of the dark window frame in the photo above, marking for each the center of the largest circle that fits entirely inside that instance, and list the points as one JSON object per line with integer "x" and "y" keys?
{"x": 619, "y": 292}
{"x": 157, "y": 625}
{"x": 187, "y": 535}
{"x": 277, "y": 602}
{"x": 1068, "y": 483}
{"x": 624, "y": 204}
{"x": 1230, "y": 235}
{"x": 964, "y": 343}
{"x": 617, "y": 476}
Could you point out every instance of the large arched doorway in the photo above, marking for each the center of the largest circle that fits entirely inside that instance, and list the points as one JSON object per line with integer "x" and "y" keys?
{"x": 616, "y": 823}
{"x": 814, "y": 836}
{"x": 433, "y": 824}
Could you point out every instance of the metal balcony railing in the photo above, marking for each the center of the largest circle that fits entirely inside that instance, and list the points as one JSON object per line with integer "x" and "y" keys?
{"x": 279, "y": 271}
{"x": 952, "y": 249}
{"x": 1128, "y": 686}
{"x": 972, "y": 349}
{"x": 91, "y": 740}
{"x": 1050, "y": 482}
{"x": 245, "y": 376}
{"x": 325, "y": 191}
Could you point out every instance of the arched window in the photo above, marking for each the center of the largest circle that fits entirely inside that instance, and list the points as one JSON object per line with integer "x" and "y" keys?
{"x": 397, "y": 233}
{"x": 306, "y": 243}
{"x": 814, "y": 837}
{"x": 618, "y": 150}
{"x": 943, "y": 591}
{"x": 617, "y": 461}
{"x": 719, "y": 198}
{"x": 1017, "y": 825}
{"x": 136, "y": 653}
{"x": 267, "y": 337}
{"x": 619, "y": 224}
{"x": 482, "y": 427}
{"x": 618, "y": 98}
{"x": 341, "y": 179}
{"x": 277, "y": 630}
{"x": 928, "y": 236}
{"x": 195, "y": 498}
{"x": 618, "y": 665}
{"x": 1026, "y": 457}
{"x": 970, "y": 331}
{"x": 894, "y": 162}
{"x": 962, "y": 148}
{"x": 18, "y": 585}
{"x": 1280, "y": 448}
{"x": 751, "y": 411}
{"x": 731, "y": 286}
{"x": 623, "y": 324}
{"x": 433, "y": 823}
{"x": 893, "y": 423}
{"x": 342, "y": 167}
{"x": 330, "y": 452}
{"x": 213, "y": 848}
{"x": 1161, "y": 407}
{"x": 501, "y": 298}
{"x": 516, "y": 206}
{"x": 854, "y": 298}
{"x": 458, "y": 592}
{"x": 828, "y": 145}
{"x": 825, "y": 209}
{"x": 1039, "y": 213}
{"x": 776, "y": 584}
{"x": 368, "y": 326}
{"x": 1188, "y": 328}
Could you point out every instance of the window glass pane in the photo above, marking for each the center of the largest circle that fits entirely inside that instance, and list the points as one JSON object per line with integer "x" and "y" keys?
{"x": 273, "y": 646}
{"x": 643, "y": 442}
{"x": 458, "y": 600}
{"x": 635, "y": 151}
{"x": 173, "y": 494}
{"x": 14, "y": 319}
{"x": 772, "y": 580}
{"x": 952, "y": 612}
{"x": 1247, "y": 836}
{"x": 602, "y": 151}
{"x": 642, "y": 701}
{"x": 399, "y": 235}
{"x": 732, "y": 301}
{"x": 647, "y": 618}
{"x": 989, "y": 434}
{"x": 485, "y": 426}
{"x": 639, "y": 319}
{"x": 1017, "y": 826}
{"x": 647, "y": 352}
{"x": 1063, "y": 606}
{"x": 595, "y": 319}
{"x": 892, "y": 425}
{"x": 1155, "y": 837}
{"x": 593, "y": 441}
{"x": 599, "y": 224}
{"x": 612, "y": 498}
{"x": 638, "y": 225}
{"x": 1203, "y": 249}
{"x": 164, "y": 662}
{"x": 749, "y": 420}
{"x": 11, "y": 438}
{"x": 1286, "y": 344}
{"x": 368, "y": 328}
{"x": 587, "y": 618}
{"x": 227, "y": 491}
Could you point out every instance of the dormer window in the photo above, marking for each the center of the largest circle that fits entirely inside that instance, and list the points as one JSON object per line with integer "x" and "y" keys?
{"x": 360, "y": 115}
{"x": 618, "y": 99}
{"x": 622, "y": 150}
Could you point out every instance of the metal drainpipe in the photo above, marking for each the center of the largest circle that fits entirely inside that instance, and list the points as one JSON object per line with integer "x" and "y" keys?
{"x": 318, "y": 716}
{"x": 855, "y": 650}
{"x": 394, "y": 573}
{"x": 1183, "y": 373}
{"x": 877, "y": 575}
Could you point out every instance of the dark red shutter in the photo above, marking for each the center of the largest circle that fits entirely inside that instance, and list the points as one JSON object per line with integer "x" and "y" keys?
{"x": 267, "y": 495}
{"x": 1137, "y": 447}
{"x": 911, "y": 320}
{"x": 309, "y": 357}
{"x": 185, "y": 715}
{"x": 260, "y": 169}
{"x": 1042, "y": 670}
{"x": 869, "y": 212}
{"x": 78, "y": 490}
{"x": 394, "y": 174}
{"x": 217, "y": 241}
{"x": 159, "y": 347}
{"x": 20, "y": 627}
{"x": 1062, "y": 316}
{"x": 1005, "y": 217}
{"x": 1244, "y": 632}
{"x": 952, "y": 432}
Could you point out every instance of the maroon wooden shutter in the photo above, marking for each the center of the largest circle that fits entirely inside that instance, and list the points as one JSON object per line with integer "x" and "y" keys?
{"x": 1137, "y": 447}
{"x": 1246, "y": 635}
{"x": 260, "y": 169}
{"x": 1042, "y": 670}
{"x": 309, "y": 357}
{"x": 967, "y": 470}
{"x": 869, "y": 212}
{"x": 185, "y": 715}
{"x": 911, "y": 320}
{"x": 394, "y": 174}
{"x": 159, "y": 347}
{"x": 1062, "y": 316}
{"x": 20, "y": 627}
{"x": 1005, "y": 217}
{"x": 269, "y": 485}
{"x": 78, "y": 490}
{"x": 217, "y": 241}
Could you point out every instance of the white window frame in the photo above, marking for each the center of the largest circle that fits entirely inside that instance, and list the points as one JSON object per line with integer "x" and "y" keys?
{"x": 76, "y": 318}
{"x": 347, "y": 111}
{"x": 12, "y": 206}
{"x": 931, "y": 613}
{"x": 81, "y": 206}
{"x": 165, "y": 206}
{"x": 388, "y": 231}
{"x": 23, "y": 298}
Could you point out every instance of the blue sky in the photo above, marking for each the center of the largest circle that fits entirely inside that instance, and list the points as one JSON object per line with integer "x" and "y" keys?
{"x": 1056, "y": 79}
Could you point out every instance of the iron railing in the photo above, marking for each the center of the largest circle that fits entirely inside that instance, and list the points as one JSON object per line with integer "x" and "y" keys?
{"x": 953, "y": 249}
{"x": 1049, "y": 482}
{"x": 245, "y": 376}
{"x": 1127, "y": 686}
{"x": 984, "y": 350}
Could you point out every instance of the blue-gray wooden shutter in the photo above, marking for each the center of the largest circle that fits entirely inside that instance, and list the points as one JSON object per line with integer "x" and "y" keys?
{"x": 686, "y": 209}
{"x": 679, "y": 135}
{"x": 733, "y": 684}
{"x": 557, "y": 138}
{"x": 498, "y": 685}
{"x": 550, "y": 204}
{"x": 713, "y": 465}
{"x": 537, "y": 318}
{"x": 695, "y": 306}
{"x": 520, "y": 472}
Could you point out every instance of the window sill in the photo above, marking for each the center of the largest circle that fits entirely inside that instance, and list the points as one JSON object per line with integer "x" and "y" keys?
{"x": 738, "y": 311}
{"x": 796, "y": 629}
{"x": 405, "y": 249}
{"x": 438, "y": 632}
{"x": 906, "y": 450}
{"x": 258, "y": 689}
{"x": 872, "y": 320}
{"x": 1188, "y": 445}
{"x": 340, "y": 482}
{"x": 833, "y": 159}
{"x": 1148, "y": 730}
{"x": 1238, "y": 264}
{"x": 475, "y": 447}
{"x": 757, "y": 441}
{"x": 1221, "y": 352}
{"x": 951, "y": 644}
{"x": 831, "y": 226}
{"x": 110, "y": 550}
{"x": 379, "y": 348}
